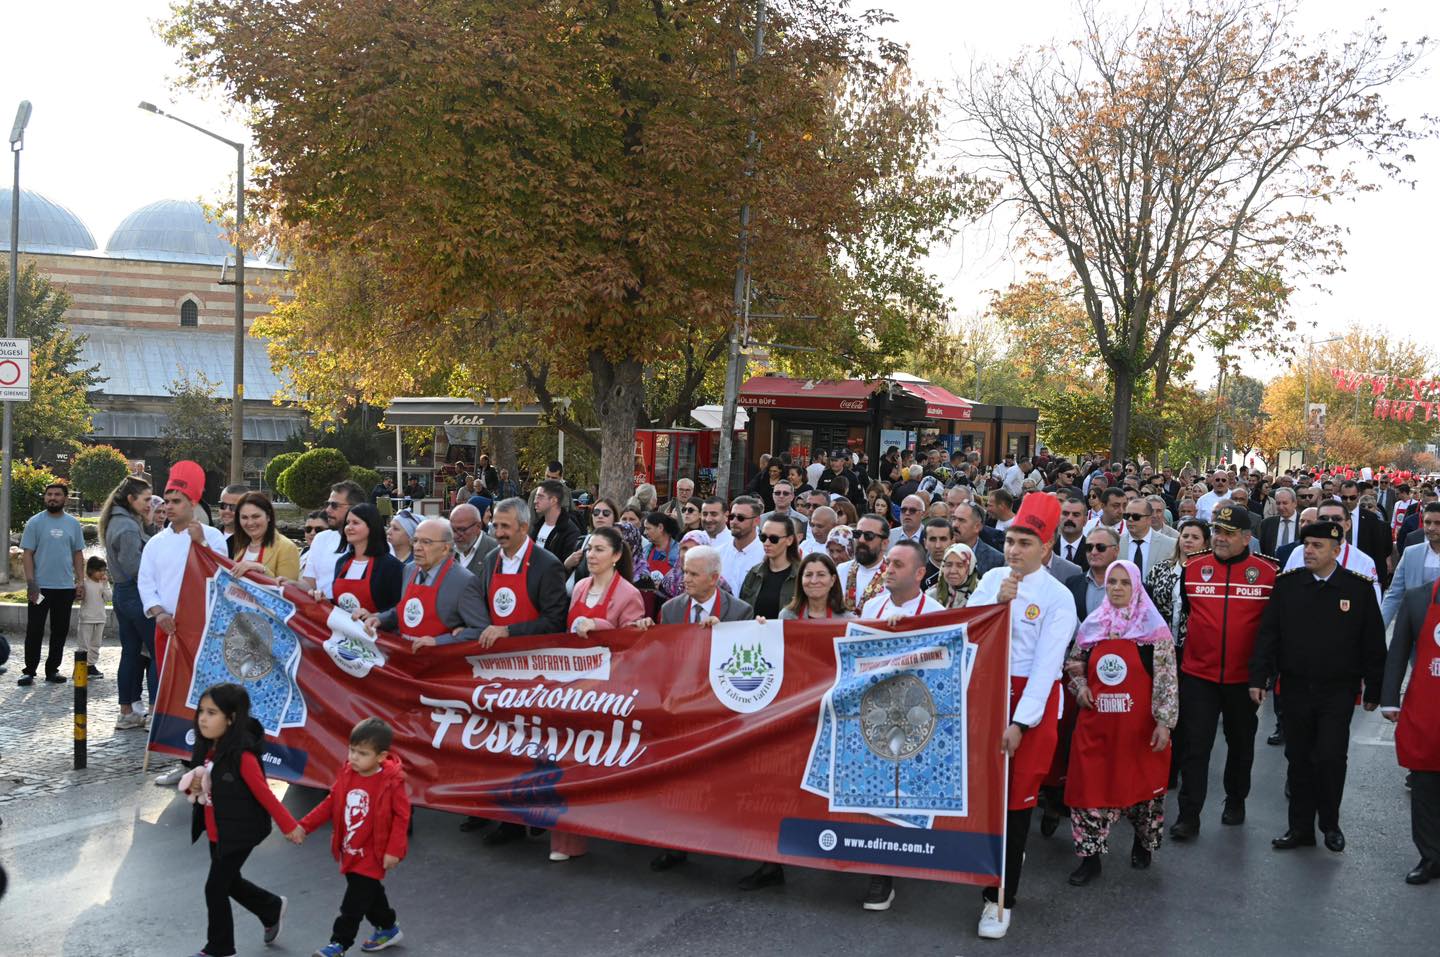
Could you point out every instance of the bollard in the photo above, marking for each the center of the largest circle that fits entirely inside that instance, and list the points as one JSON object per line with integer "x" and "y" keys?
{"x": 82, "y": 687}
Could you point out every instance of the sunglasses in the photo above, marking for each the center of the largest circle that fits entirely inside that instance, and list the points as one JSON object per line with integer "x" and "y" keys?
{"x": 330, "y": 505}
{"x": 1101, "y": 547}
{"x": 1349, "y": 498}
{"x": 772, "y": 539}
{"x": 1135, "y": 517}
{"x": 737, "y": 517}
{"x": 226, "y": 507}
{"x": 602, "y": 512}
{"x": 691, "y": 508}
{"x": 314, "y": 529}
{"x": 869, "y": 536}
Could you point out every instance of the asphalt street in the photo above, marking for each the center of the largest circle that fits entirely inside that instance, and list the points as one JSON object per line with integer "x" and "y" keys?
{"x": 100, "y": 865}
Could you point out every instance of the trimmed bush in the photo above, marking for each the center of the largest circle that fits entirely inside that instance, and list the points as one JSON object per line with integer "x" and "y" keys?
{"x": 95, "y": 471}
{"x": 275, "y": 466}
{"x": 27, "y": 492}
{"x": 307, "y": 481}
{"x": 365, "y": 478}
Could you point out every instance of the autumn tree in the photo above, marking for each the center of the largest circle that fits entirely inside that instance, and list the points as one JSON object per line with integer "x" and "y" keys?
{"x": 544, "y": 188}
{"x": 1163, "y": 157}
{"x": 59, "y": 409}
{"x": 197, "y": 423}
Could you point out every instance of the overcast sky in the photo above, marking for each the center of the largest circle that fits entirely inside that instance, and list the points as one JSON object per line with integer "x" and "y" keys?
{"x": 85, "y": 64}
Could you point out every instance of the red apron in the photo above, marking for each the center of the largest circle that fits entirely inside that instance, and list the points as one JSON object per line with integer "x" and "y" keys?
{"x": 1111, "y": 762}
{"x": 1037, "y": 747}
{"x": 919, "y": 609}
{"x": 1417, "y": 735}
{"x": 658, "y": 561}
{"x": 353, "y": 594}
{"x": 419, "y": 615}
{"x": 597, "y": 612}
{"x": 509, "y": 598}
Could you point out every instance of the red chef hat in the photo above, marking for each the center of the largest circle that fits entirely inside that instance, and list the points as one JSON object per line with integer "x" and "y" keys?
{"x": 1039, "y": 515}
{"x": 187, "y": 478}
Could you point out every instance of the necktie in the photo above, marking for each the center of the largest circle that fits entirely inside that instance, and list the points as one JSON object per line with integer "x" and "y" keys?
{"x": 1069, "y": 553}
{"x": 419, "y": 576}
{"x": 1140, "y": 554}
{"x": 695, "y": 616}
{"x": 1284, "y": 531}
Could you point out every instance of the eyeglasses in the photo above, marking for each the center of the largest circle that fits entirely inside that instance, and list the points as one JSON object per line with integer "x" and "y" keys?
{"x": 226, "y": 507}
{"x": 737, "y": 517}
{"x": 910, "y": 511}
{"x": 1135, "y": 517}
{"x": 333, "y": 504}
{"x": 1100, "y": 546}
{"x": 602, "y": 512}
{"x": 869, "y": 536}
{"x": 691, "y": 508}
{"x": 772, "y": 539}
{"x": 314, "y": 529}
{"x": 462, "y": 529}
{"x": 804, "y": 506}
{"x": 1349, "y": 498}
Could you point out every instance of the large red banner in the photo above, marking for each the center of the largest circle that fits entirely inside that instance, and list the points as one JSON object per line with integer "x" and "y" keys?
{"x": 875, "y": 751}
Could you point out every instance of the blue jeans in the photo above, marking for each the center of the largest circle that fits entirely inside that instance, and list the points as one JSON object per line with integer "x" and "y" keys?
{"x": 136, "y": 633}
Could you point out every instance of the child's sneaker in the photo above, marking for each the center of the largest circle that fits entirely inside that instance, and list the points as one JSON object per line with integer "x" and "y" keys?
{"x": 331, "y": 949}
{"x": 272, "y": 931}
{"x": 381, "y": 939}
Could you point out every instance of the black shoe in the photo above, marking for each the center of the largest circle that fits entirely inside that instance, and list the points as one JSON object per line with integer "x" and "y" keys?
{"x": 1409, "y": 780}
{"x": 506, "y": 833}
{"x": 880, "y": 894}
{"x": 26, "y": 679}
{"x": 668, "y": 860}
{"x": 1185, "y": 829}
{"x": 1335, "y": 840}
{"x": 1140, "y": 855}
{"x": 55, "y": 679}
{"x": 1422, "y": 872}
{"x": 1292, "y": 840}
{"x": 95, "y": 673}
{"x": 471, "y": 824}
{"x": 766, "y": 875}
{"x": 1048, "y": 824}
{"x": 1088, "y": 870}
{"x": 1234, "y": 812}
{"x": 1276, "y": 738}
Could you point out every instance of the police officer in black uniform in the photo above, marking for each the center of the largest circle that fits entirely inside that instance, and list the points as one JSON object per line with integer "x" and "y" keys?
{"x": 1323, "y": 636}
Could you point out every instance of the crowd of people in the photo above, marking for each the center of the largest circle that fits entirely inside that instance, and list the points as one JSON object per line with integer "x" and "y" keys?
{"x": 1150, "y": 608}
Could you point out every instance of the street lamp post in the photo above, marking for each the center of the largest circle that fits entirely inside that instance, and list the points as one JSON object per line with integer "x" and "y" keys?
{"x": 17, "y": 143}
{"x": 237, "y": 397}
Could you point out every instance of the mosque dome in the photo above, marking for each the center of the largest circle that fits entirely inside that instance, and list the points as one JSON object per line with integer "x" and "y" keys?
{"x": 171, "y": 230}
{"x": 45, "y": 226}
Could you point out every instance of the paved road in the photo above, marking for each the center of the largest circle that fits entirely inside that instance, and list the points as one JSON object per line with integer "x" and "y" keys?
{"x": 101, "y": 866}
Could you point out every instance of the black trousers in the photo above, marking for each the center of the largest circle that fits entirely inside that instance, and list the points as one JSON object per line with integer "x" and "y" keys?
{"x": 225, "y": 884}
{"x": 1203, "y": 703}
{"x": 1425, "y": 813}
{"x": 56, "y": 609}
{"x": 364, "y": 898}
{"x": 1317, "y": 741}
{"x": 1017, "y": 832}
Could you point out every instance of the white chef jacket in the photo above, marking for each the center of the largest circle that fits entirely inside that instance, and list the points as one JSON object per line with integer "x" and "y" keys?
{"x": 1038, "y": 638}
{"x": 162, "y": 565}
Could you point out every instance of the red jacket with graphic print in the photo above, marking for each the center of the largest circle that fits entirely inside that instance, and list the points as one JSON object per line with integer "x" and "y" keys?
{"x": 1224, "y": 601}
{"x": 370, "y": 815}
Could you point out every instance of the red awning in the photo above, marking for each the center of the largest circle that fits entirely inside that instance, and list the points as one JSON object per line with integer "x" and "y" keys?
{"x": 819, "y": 395}
{"x": 940, "y": 403}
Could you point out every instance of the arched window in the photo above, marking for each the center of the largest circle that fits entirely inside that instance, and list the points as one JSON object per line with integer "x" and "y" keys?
{"x": 189, "y": 313}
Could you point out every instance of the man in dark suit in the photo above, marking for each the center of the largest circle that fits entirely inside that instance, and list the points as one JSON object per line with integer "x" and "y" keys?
{"x": 1283, "y": 527}
{"x": 1103, "y": 547}
{"x": 703, "y": 602}
{"x": 1368, "y": 532}
{"x": 472, "y": 542}
{"x": 1386, "y": 495}
{"x": 520, "y": 590}
{"x": 1070, "y": 543}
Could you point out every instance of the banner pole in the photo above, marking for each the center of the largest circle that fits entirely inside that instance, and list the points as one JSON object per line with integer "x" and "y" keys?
{"x": 1005, "y": 831}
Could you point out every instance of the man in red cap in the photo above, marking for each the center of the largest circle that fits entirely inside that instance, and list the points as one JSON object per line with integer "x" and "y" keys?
{"x": 162, "y": 564}
{"x": 1042, "y": 622}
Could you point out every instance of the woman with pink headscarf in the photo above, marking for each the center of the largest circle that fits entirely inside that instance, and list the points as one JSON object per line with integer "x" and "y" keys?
{"x": 1122, "y": 672}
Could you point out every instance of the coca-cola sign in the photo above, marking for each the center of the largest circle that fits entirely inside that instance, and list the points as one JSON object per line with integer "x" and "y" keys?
{"x": 855, "y": 404}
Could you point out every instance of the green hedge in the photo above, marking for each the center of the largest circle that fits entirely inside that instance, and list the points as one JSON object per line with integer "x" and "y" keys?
{"x": 277, "y": 465}
{"x": 307, "y": 481}
{"x": 97, "y": 470}
{"x": 365, "y": 478}
{"x": 27, "y": 492}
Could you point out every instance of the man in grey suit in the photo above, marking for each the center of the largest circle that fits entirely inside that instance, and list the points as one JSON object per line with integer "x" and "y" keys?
{"x": 544, "y": 578}
{"x": 703, "y": 602}
{"x": 1140, "y": 540}
{"x": 459, "y": 609}
{"x": 1061, "y": 570}
{"x": 1419, "y": 565}
{"x": 472, "y": 542}
{"x": 967, "y": 520}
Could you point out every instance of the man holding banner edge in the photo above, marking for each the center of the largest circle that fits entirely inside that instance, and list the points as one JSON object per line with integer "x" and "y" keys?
{"x": 1042, "y": 622}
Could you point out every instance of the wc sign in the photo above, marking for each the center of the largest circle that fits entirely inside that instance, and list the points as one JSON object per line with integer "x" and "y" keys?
{"x": 15, "y": 370}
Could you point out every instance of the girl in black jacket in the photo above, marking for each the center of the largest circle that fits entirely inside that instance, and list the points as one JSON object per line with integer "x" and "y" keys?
{"x": 234, "y": 806}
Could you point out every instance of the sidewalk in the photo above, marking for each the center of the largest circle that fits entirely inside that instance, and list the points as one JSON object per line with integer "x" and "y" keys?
{"x": 37, "y": 742}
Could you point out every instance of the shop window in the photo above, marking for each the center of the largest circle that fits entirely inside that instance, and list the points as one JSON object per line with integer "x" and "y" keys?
{"x": 189, "y": 313}
{"x": 1018, "y": 444}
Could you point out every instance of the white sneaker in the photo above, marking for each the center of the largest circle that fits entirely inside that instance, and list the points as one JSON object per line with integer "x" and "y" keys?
{"x": 992, "y": 925}
{"x": 129, "y": 722}
{"x": 558, "y": 856}
{"x": 170, "y": 778}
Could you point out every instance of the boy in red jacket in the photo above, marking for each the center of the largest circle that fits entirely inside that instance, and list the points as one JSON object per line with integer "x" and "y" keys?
{"x": 371, "y": 814}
